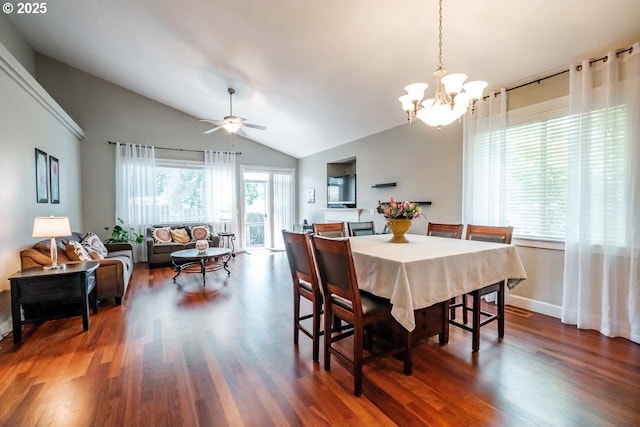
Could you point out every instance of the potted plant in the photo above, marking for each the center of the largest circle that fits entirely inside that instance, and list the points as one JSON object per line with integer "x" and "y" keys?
{"x": 119, "y": 234}
{"x": 399, "y": 216}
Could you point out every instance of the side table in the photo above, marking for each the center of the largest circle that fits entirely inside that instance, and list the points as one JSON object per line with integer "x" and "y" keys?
{"x": 227, "y": 240}
{"x": 75, "y": 283}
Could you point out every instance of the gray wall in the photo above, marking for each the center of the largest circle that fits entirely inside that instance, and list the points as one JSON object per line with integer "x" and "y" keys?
{"x": 13, "y": 41}
{"x": 427, "y": 166}
{"x": 29, "y": 119}
{"x": 108, "y": 112}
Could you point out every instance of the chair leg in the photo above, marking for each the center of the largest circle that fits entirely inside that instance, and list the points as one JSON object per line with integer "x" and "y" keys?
{"x": 358, "y": 343}
{"x": 317, "y": 308}
{"x": 501, "y": 311}
{"x": 296, "y": 316}
{"x": 465, "y": 316}
{"x": 476, "y": 321}
{"x": 452, "y": 309}
{"x": 328, "y": 320}
{"x": 408, "y": 353}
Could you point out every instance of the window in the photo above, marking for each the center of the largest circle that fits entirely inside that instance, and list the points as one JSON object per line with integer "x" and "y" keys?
{"x": 529, "y": 169}
{"x": 179, "y": 192}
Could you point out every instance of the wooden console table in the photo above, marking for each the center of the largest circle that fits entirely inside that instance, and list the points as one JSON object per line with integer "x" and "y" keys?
{"x": 75, "y": 283}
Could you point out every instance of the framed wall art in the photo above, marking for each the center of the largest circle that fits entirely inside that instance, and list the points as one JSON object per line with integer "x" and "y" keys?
{"x": 54, "y": 179}
{"x": 311, "y": 195}
{"x": 42, "y": 184}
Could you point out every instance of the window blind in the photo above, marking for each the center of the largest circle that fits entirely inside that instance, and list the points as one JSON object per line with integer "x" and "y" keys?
{"x": 525, "y": 176}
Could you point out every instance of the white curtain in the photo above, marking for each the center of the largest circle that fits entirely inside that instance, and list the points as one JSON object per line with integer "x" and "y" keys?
{"x": 483, "y": 149}
{"x": 483, "y": 160}
{"x": 282, "y": 206}
{"x": 220, "y": 193}
{"x": 135, "y": 190}
{"x": 601, "y": 288}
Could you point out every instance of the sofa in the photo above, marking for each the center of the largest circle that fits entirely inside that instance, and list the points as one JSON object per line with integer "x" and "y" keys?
{"x": 160, "y": 245}
{"x": 112, "y": 275}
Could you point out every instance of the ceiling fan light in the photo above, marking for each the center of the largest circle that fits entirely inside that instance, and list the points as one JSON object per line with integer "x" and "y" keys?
{"x": 475, "y": 88}
{"x": 231, "y": 127}
{"x": 453, "y": 82}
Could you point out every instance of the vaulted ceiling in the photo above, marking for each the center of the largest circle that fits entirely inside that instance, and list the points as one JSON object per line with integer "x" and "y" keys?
{"x": 319, "y": 73}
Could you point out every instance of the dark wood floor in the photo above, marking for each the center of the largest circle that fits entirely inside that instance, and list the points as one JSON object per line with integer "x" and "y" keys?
{"x": 224, "y": 355}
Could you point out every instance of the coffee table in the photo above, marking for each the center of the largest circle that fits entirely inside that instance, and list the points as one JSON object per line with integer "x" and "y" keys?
{"x": 211, "y": 260}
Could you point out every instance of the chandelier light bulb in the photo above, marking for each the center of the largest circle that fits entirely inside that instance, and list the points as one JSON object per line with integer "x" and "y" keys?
{"x": 474, "y": 89}
{"x": 407, "y": 102}
{"x": 416, "y": 91}
{"x": 453, "y": 82}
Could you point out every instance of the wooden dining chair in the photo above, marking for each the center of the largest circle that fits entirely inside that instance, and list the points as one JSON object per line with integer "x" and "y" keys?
{"x": 362, "y": 310}
{"x": 481, "y": 317}
{"x": 453, "y": 231}
{"x": 329, "y": 229}
{"x": 361, "y": 228}
{"x": 305, "y": 285}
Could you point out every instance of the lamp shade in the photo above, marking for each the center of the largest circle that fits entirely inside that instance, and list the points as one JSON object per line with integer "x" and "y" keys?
{"x": 51, "y": 226}
{"x": 453, "y": 82}
{"x": 475, "y": 88}
{"x": 415, "y": 91}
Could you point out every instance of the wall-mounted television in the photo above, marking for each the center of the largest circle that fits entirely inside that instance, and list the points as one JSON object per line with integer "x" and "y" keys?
{"x": 341, "y": 191}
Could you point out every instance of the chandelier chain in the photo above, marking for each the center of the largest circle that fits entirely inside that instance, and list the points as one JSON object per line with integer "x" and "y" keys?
{"x": 440, "y": 66}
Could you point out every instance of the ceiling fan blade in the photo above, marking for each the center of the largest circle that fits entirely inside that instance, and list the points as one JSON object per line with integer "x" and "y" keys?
{"x": 213, "y": 122}
{"x": 249, "y": 125}
{"x": 213, "y": 129}
{"x": 241, "y": 132}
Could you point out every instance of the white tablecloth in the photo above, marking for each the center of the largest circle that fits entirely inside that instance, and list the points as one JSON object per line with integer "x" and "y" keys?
{"x": 428, "y": 270}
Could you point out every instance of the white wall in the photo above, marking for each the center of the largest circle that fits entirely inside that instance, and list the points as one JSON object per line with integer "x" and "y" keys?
{"x": 108, "y": 112}
{"x": 29, "y": 119}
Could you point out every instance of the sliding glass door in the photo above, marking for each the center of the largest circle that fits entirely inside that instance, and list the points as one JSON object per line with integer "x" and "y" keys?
{"x": 268, "y": 206}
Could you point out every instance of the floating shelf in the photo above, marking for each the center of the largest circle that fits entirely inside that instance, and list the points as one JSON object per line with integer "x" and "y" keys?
{"x": 386, "y": 184}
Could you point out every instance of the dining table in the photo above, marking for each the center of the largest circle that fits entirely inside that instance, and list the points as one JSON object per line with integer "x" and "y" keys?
{"x": 420, "y": 276}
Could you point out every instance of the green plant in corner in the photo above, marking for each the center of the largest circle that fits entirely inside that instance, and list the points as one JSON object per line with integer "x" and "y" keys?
{"x": 119, "y": 234}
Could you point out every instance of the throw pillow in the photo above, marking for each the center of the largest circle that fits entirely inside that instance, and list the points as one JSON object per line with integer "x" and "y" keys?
{"x": 76, "y": 252}
{"x": 93, "y": 253}
{"x": 161, "y": 235}
{"x": 91, "y": 240}
{"x": 200, "y": 232}
{"x": 180, "y": 235}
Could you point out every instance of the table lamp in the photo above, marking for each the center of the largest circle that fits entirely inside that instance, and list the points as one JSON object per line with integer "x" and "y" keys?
{"x": 52, "y": 226}
{"x": 225, "y": 217}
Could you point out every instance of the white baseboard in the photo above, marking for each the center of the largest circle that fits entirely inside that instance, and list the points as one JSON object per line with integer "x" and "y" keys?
{"x": 537, "y": 306}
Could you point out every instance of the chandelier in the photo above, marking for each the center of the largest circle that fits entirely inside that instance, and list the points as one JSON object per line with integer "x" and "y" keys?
{"x": 452, "y": 99}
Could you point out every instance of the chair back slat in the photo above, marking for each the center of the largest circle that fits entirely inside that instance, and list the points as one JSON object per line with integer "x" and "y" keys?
{"x": 490, "y": 233}
{"x": 300, "y": 255}
{"x": 329, "y": 229}
{"x": 452, "y": 231}
{"x": 361, "y": 228}
{"x": 336, "y": 270}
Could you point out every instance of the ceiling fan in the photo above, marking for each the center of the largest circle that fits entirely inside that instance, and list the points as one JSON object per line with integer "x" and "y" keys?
{"x": 232, "y": 124}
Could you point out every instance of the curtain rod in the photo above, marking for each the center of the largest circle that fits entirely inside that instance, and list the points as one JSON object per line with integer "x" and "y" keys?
{"x": 183, "y": 149}
{"x": 578, "y": 67}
